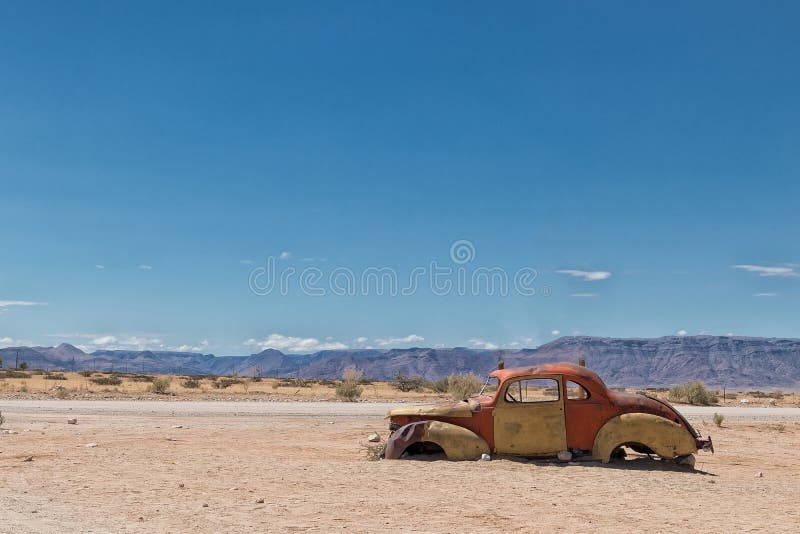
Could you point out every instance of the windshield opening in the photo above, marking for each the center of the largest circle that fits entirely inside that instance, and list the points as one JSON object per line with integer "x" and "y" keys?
{"x": 490, "y": 387}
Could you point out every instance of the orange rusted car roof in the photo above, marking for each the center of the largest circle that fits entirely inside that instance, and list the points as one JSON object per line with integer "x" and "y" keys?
{"x": 563, "y": 368}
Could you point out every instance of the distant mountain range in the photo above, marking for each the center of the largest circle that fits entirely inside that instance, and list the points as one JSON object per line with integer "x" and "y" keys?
{"x": 734, "y": 362}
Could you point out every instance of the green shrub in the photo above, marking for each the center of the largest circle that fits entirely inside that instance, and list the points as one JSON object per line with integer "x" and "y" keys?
{"x": 160, "y": 385}
{"x": 718, "y": 418}
{"x": 407, "y": 383}
{"x": 462, "y": 386}
{"x": 107, "y": 380}
{"x": 191, "y": 383}
{"x": 14, "y": 374}
{"x": 348, "y": 389}
{"x": 693, "y": 393}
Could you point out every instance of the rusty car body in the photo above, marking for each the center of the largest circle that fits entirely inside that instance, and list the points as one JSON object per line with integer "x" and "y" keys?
{"x": 542, "y": 411}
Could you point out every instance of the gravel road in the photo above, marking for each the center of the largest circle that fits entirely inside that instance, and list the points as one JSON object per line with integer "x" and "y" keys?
{"x": 314, "y": 409}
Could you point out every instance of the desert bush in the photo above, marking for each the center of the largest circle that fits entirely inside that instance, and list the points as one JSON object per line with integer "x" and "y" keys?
{"x": 24, "y": 366}
{"x": 15, "y": 374}
{"x": 24, "y": 388}
{"x": 718, "y": 418}
{"x": 256, "y": 379}
{"x": 54, "y": 376}
{"x": 141, "y": 378}
{"x": 440, "y": 386}
{"x": 693, "y": 393}
{"x": 407, "y": 383}
{"x": 61, "y": 393}
{"x": 462, "y": 386}
{"x": 349, "y": 389}
{"x": 295, "y": 383}
{"x": 225, "y": 383}
{"x": 86, "y": 374}
{"x": 38, "y": 372}
{"x": 2, "y": 419}
{"x": 191, "y": 383}
{"x": 160, "y": 385}
{"x": 107, "y": 380}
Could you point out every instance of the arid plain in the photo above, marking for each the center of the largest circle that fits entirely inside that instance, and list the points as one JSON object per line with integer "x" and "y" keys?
{"x": 234, "y": 467}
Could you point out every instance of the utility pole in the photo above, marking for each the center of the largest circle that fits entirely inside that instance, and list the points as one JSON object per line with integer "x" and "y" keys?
{"x": 16, "y": 365}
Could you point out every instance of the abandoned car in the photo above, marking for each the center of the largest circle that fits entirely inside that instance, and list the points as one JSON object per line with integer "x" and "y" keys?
{"x": 559, "y": 409}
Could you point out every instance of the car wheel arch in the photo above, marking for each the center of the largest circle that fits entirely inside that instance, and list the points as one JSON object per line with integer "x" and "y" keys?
{"x": 457, "y": 442}
{"x": 665, "y": 438}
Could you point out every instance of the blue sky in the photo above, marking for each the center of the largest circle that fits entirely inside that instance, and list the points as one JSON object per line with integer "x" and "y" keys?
{"x": 641, "y": 158}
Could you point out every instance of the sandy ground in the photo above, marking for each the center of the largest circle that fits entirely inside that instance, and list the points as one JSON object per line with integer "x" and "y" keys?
{"x": 154, "y": 472}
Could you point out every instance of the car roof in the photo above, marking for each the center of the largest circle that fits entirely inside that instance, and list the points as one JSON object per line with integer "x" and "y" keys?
{"x": 561, "y": 368}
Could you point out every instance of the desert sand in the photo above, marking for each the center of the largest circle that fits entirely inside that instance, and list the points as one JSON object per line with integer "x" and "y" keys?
{"x": 208, "y": 473}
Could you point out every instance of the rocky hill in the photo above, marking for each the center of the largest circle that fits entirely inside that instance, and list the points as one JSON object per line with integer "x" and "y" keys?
{"x": 734, "y": 362}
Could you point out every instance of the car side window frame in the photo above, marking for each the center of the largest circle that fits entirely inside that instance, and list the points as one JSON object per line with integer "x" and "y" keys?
{"x": 559, "y": 383}
{"x": 567, "y": 382}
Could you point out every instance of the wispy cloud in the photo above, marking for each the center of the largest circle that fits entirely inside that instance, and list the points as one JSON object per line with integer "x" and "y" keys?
{"x": 763, "y": 270}
{"x": 765, "y": 294}
{"x": 584, "y": 295}
{"x": 587, "y": 276}
{"x": 411, "y": 338}
{"x": 361, "y": 339}
{"x": 13, "y": 303}
{"x": 200, "y": 347}
{"x": 555, "y": 332}
{"x": 294, "y": 344}
{"x": 146, "y": 267}
{"x": 99, "y": 267}
{"x": 285, "y": 255}
{"x": 246, "y": 262}
{"x": 681, "y": 332}
{"x": 482, "y": 343}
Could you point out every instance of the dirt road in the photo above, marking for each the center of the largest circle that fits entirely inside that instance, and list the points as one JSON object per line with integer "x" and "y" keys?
{"x": 305, "y": 409}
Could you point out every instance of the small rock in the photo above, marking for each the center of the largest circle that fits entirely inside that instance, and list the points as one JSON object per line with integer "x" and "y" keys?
{"x": 374, "y": 438}
{"x": 177, "y": 426}
{"x": 27, "y": 430}
{"x": 759, "y": 474}
{"x": 564, "y": 456}
{"x": 170, "y": 438}
{"x": 260, "y": 500}
{"x": 180, "y": 485}
{"x": 72, "y": 421}
{"x": 205, "y": 505}
{"x": 28, "y": 459}
{"x": 91, "y": 445}
{"x": 233, "y": 488}
{"x": 141, "y": 519}
{"x": 485, "y": 457}
{"x": 330, "y": 422}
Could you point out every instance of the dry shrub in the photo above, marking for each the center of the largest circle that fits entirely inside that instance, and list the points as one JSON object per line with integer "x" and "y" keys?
{"x": 693, "y": 393}
{"x": 462, "y": 386}
{"x": 191, "y": 383}
{"x": 348, "y": 389}
{"x": 407, "y": 383}
{"x": 107, "y": 380}
{"x": 718, "y": 418}
{"x": 160, "y": 385}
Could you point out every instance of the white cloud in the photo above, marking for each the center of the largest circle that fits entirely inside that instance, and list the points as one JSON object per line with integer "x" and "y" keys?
{"x": 588, "y": 276}
{"x": 761, "y": 270}
{"x": 246, "y": 262}
{"x": 584, "y": 295}
{"x": 765, "y": 294}
{"x": 681, "y": 332}
{"x": 100, "y": 267}
{"x": 200, "y": 347}
{"x": 482, "y": 343}
{"x": 361, "y": 339}
{"x": 285, "y": 255}
{"x": 146, "y": 267}
{"x": 104, "y": 340}
{"x": 8, "y": 342}
{"x": 294, "y": 344}
{"x": 555, "y": 332}
{"x": 10, "y": 303}
{"x": 729, "y": 334}
{"x": 411, "y": 338}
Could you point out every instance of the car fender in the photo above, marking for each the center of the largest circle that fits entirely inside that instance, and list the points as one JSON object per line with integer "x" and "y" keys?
{"x": 664, "y": 437}
{"x": 458, "y": 443}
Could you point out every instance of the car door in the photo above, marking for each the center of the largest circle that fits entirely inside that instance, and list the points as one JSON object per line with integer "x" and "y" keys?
{"x": 529, "y": 417}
